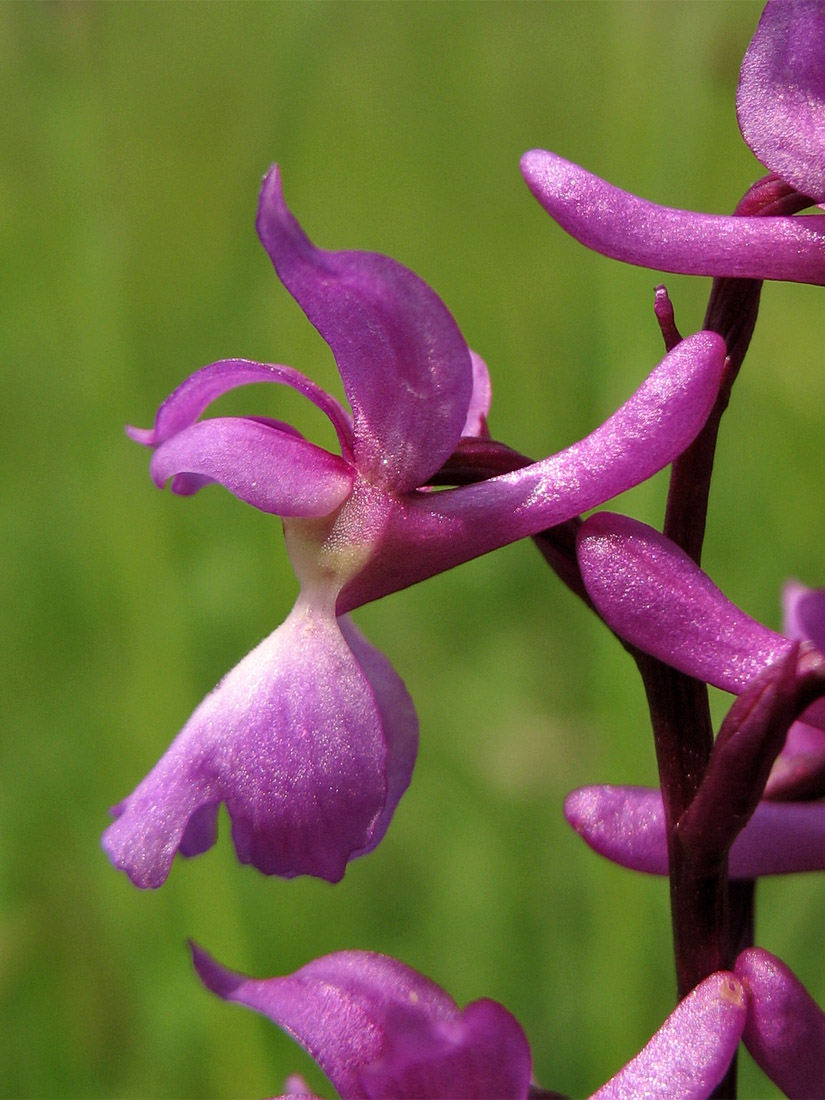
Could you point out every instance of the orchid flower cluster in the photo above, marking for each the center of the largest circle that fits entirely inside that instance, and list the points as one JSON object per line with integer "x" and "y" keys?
{"x": 310, "y": 741}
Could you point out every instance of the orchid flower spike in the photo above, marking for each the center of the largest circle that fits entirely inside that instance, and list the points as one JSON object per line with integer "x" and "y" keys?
{"x": 781, "y": 111}
{"x": 381, "y": 1031}
{"x": 310, "y": 741}
{"x": 654, "y": 596}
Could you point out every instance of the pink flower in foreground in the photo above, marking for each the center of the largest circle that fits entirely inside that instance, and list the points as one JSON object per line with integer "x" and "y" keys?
{"x": 310, "y": 741}
{"x": 379, "y": 1029}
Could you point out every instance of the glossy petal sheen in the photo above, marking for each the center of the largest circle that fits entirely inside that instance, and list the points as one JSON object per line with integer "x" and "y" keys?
{"x": 625, "y": 227}
{"x": 379, "y": 1029}
{"x": 293, "y": 741}
{"x": 655, "y": 597}
{"x": 627, "y": 825}
{"x": 431, "y": 532}
{"x": 405, "y": 366}
{"x": 690, "y": 1053}
{"x": 780, "y": 101}
{"x": 785, "y": 1030}
{"x": 269, "y": 468}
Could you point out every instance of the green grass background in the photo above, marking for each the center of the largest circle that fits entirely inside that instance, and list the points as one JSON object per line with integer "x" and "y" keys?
{"x": 132, "y": 143}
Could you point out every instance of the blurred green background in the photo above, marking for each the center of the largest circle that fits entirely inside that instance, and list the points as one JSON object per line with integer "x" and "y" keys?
{"x": 133, "y": 140}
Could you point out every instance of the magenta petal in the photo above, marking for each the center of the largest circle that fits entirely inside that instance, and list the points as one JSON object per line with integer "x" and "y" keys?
{"x": 183, "y": 407}
{"x": 405, "y": 366}
{"x": 292, "y": 741}
{"x": 804, "y": 613}
{"x": 379, "y": 1029}
{"x": 274, "y": 470}
{"x": 690, "y": 1053}
{"x": 780, "y": 101}
{"x": 627, "y": 825}
{"x": 431, "y": 532}
{"x": 785, "y": 1030}
{"x": 655, "y": 597}
{"x": 625, "y": 227}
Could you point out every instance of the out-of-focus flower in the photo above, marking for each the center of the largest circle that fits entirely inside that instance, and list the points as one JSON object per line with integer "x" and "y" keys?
{"x": 310, "y": 741}
{"x": 781, "y": 111}
{"x": 379, "y": 1029}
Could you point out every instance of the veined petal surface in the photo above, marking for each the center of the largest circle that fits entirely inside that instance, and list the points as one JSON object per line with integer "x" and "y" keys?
{"x": 292, "y": 740}
{"x": 626, "y": 227}
{"x": 780, "y": 101}
{"x": 272, "y": 469}
{"x": 405, "y": 366}
{"x": 690, "y": 1053}
{"x": 627, "y": 825}
{"x": 785, "y": 1030}
{"x": 380, "y": 1030}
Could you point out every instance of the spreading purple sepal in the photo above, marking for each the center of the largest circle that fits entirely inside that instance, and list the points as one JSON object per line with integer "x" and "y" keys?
{"x": 379, "y": 1029}
{"x": 627, "y": 826}
{"x": 690, "y": 1053}
{"x": 405, "y": 366}
{"x": 309, "y": 741}
{"x": 625, "y": 227}
{"x": 785, "y": 1029}
{"x": 780, "y": 101}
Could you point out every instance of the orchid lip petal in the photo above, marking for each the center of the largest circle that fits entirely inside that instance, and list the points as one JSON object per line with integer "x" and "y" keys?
{"x": 625, "y": 227}
{"x": 398, "y": 718}
{"x": 276, "y": 471}
{"x": 292, "y": 741}
{"x": 184, "y": 405}
{"x": 627, "y": 826}
{"x": 406, "y": 369}
{"x": 690, "y": 1054}
{"x": 431, "y": 532}
{"x": 785, "y": 1029}
{"x": 780, "y": 101}
{"x": 378, "y": 1028}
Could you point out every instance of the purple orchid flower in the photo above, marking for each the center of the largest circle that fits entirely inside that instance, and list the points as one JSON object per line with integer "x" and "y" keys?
{"x": 379, "y": 1029}
{"x": 781, "y": 112}
{"x": 310, "y": 741}
{"x": 655, "y": 597}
